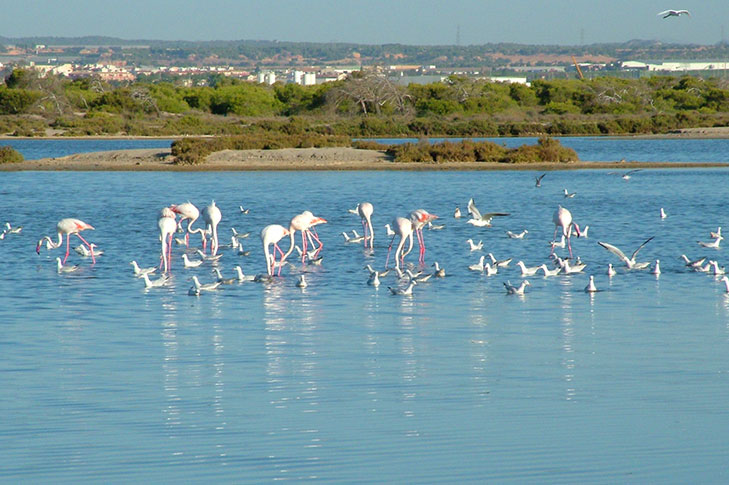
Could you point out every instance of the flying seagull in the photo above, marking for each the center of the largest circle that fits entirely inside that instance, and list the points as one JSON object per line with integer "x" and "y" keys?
{"x": 629, "y": 262}
{"x": 673, "y": 13}
{"x": 481, "y": 220}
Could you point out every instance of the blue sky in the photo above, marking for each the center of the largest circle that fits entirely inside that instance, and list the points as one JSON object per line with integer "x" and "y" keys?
{"x": 371, "y": 21}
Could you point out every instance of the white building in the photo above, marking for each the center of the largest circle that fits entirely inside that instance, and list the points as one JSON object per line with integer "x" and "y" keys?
{"x": 309, "y": 79}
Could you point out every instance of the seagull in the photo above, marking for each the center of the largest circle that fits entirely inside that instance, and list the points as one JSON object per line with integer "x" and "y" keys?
{"x": 630, "y": 263}
{"x": 626, "y": 176}
{"x": 12, "y": 230}
{"x": 474, "y": 247}
{"x": 693, "y": 264}
{"x": 239, "y": 235}
{"x": 569, "y": 195}
{"x": 539, "y": 180}
{"x": 221, "y": 280}
{"x": 527, "y": 271}
{"x": 66, "y": 268}
{"x": 439, "y": 272}
{"x": 405, "y": 291}
{"x": 354, "y": 211}
{"x": 591, "y": 288}
{"x": 243, "y": 277}
{"x": 657, "y": 268}
{"x": 242, "y": 210}
{"x": 577, "y": 232}
{"x": 726, "y": 283}
{"x": 138, "y": 272}
{"x": 191, "y": 264}
{"x": 435, "y": 227}
{"x": 418, "y": 277}
{"x": 517, "y": 236}
{"x": 516, "y": 290}
{"x": 212, "y": 257}
{"x": 715, "y": 234}
{"x": 389, "y": 230}
{"x": 381, "y": 274}
{"x": 713, "y": 244}
{"x": 301, "y": 283}
{"x": 374, "y": 279}
{"x": 457, "y": 213}
{"x": 154, "y": 283}
{"x": 611, "y": 271}
{"x": 490, "y": 270}
{"x": 716, "y": 270}
{"x": 673, "y": 13}
{"x": 478, "y": 266}
{"x": 206, "y": 286}
{"x": 561, "y": 244}
{"x": 85, "y": 252}
{"x": 570, "y": 269}
{"x": 481, "y": 220}
{"x": 550, "y": 272}
{"x": 500, "y": 264}
{"x": 663, "y": 214}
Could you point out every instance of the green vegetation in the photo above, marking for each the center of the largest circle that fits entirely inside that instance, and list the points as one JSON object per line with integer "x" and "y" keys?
{"x": 364, "y": 105}
{"x": 194, "y": 151}
{"x": 10, "y": 155}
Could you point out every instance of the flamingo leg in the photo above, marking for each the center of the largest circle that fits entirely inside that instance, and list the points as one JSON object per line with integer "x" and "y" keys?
{"x": 569, "y": 246}
{"x": 68, "y": 247}
{"x": 275, "y": 247}
{"x": 314, "y": 234}
{"x": 389, "y": 250}
{"x": 93, "y": 259}
{"x": 304, "y": 246}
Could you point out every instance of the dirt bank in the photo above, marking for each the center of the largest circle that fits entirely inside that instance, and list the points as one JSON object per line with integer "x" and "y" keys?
{"x": 292, "y": 159}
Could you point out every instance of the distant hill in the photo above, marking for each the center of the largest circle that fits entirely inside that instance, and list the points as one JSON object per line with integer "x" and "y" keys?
{"x": 264, "y": 52}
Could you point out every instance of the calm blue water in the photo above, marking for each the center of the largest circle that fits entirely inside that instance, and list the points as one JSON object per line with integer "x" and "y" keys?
{"x": 34, "y": 149}
{"x": 104, "y": 381}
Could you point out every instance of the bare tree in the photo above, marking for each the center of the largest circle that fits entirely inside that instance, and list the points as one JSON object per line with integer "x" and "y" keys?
{"x": 371, "y": 91}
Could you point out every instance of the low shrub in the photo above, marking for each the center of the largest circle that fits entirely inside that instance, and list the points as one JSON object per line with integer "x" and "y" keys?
{"x": 10, "y": 155}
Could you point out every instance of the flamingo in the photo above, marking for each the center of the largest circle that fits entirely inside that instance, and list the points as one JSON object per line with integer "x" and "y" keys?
{"x": 563, "y": 218}
{"x": 212, "y": 216}
{"x": 304, "y": 222}
{"x": 271, "y": 235}
{"x": 68, "y": 227}
{"x": 419, "y": 218}
{"x": 167, "y": 227}
{"x": 365, "y": 210}
{"x": 189, "y": 212}
{"x": 404, "y": 229}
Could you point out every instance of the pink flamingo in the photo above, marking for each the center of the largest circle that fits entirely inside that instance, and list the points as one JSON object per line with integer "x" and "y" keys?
{"x": 167, "y": 227}
{"x": 419, "y": 218}
{"x": 304, "y": 222}
{"x": 271, "y": 235}
{"x": 365, "y": 210}
{"x": 404, "y": 229}
{"x": 68, "y": 227}
{"x": 189, "y": 212}
{"x": 563, "y": 218}
{"x": 212, "y": 216}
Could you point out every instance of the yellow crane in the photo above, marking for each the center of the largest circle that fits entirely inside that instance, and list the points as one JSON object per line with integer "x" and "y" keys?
{"x": 577, "y": 66}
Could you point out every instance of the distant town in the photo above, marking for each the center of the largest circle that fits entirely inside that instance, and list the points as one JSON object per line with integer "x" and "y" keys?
{"x": 195, "y": 64}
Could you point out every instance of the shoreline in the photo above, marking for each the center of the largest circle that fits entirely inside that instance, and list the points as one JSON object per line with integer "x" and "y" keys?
{"x": 300, "y": 159}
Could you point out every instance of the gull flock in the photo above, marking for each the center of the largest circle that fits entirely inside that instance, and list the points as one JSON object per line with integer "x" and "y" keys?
{"x": 402, "y": 277}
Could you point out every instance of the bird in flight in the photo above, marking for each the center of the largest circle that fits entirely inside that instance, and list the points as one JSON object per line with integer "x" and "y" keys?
{"x": 539, "y": 180}
{"x": 673, "y": 13}
{"x": 481, "y": 220}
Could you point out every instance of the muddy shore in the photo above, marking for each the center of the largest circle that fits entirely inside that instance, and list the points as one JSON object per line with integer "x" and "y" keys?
{"x": 292, "y": 159}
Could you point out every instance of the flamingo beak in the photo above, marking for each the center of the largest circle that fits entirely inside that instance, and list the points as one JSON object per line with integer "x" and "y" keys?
{"x": 37, "y": 249}
{"x": 320, "y": 220}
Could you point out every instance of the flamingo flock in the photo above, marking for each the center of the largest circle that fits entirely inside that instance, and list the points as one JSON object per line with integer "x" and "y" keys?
{"x": 401, "y": 232}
